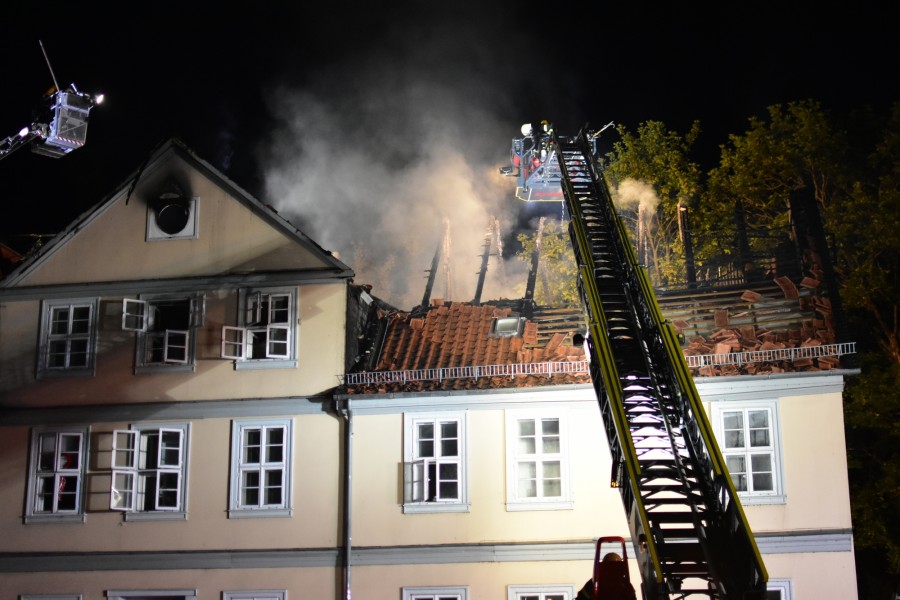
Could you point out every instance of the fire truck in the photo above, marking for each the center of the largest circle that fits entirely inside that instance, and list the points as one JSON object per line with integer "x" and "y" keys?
{"x": 688, "y": 529}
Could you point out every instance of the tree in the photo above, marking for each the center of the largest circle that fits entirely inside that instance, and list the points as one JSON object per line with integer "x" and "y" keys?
{"x": 557, "y": 269}
{"x": 794, "y": 150}
{"x": 865, "y": 221}
{"x": 872, "y": 419}
{"x": 651, "y": 175}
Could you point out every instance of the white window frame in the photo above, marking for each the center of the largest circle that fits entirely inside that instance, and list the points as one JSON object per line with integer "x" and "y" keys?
{"x": 781, "y": 585}
{"x": 277, "y": 326}
{"x": 241, "y": 468}
{"x": 255, "y": 595}
{"x": 719, "y": 411}
{"x": 458, "y": 592}
{"x": 49, "y": 338}
{"x": 131, "y": 475}
{"x": 416, "y": 467}
{"x": 178, "y": 345}
{"x": 542, "y": 592}
{"x": 126, "y": 594}
{"x": 516, "y": 458}
{"x": 57, "y": 474}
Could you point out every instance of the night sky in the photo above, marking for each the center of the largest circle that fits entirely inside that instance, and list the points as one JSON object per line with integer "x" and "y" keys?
{"x": 372, "y": 92}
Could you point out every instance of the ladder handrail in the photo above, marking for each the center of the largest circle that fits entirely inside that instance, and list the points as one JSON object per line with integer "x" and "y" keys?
{"x": 665, "y": 392}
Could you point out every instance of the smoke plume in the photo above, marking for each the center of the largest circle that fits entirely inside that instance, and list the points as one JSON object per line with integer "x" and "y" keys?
{"x": 369, "y": 160}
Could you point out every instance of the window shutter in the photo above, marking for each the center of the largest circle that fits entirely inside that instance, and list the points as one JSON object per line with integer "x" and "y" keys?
{"x": 134, "y": 314}
{"x": 278, "y": 341}
{"x": 123, "y": 490}
{"x": 234, "y": 342}
{"x": 198, "y": 312}
{"x": 253, "y": 314}
{"x": 175, "y": 349}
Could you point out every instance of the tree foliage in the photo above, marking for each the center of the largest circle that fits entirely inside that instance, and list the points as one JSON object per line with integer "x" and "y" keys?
{"x": 796, "y": 148}
{"x": 650, "y": 174}
{"x": 872, "y": 419}
{"x": 793, "y": 149}
{"x": 557, "y": 272}
{"x": 865, "y": 221}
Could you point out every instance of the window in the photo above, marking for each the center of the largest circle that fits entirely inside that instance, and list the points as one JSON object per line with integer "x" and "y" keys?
{"x": 261, "y": 468}
{"x": 540, "y": 592}
{"x": 537, "y": 473}
{"x": 511, "y": 326}
{"x": 152, "y": 595}
{"x": 748, "y": 438}
{"x": 266, "y": 331}
{"x": 256, "y": 595}
{"x": 68, "y": 337}
{"x": 56, "y": 477}
{"x": 435, "y": 463}
{"x": 149, "y": 471}
{"x": 779, "y": 589}
{"x": 436, "y": 593}
{"x": 165, "y": 327}
{"x": 50, "y": 597}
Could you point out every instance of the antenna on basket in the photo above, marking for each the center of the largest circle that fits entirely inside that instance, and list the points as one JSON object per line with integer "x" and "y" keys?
{"x": 49, "y": 66}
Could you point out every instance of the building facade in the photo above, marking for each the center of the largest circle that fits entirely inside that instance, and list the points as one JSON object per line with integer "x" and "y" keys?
{"x": 162, "y": 369}
{"x": 470, "y": 483}
{"x": 175, "y": 425}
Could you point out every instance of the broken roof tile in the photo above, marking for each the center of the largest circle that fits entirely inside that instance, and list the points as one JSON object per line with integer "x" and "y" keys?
{"x": 787, "y": 286}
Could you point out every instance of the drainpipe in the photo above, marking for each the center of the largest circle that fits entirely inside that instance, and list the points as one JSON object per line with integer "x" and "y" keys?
{"x": 345, "y": 411}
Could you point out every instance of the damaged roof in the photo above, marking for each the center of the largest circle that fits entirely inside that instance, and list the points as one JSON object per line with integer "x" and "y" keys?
{"x": 773, "y": 327}
{"x": 439, "y": 349}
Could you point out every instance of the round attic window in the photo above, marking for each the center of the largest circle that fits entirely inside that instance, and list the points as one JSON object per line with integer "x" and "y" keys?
{"x": 172, "y": 214}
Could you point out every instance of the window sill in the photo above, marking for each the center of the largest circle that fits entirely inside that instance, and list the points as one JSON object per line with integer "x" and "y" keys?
{"x": 35, "y": 519}
{"x": 436, "y": 507}
{"x": 142, "y": 369}
{"x": 540, "y": 505}
{"x": 749, "y": 500}
{"x": 45, "y": 373}
{"x": 249, "y": 365}
{"x": 156, "y": 516}
{"x": 259, "y": 513}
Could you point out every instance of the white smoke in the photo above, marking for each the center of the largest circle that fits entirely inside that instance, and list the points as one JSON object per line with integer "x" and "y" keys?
{"x": 368, "y": 163}
{"x": 636, "y": 195}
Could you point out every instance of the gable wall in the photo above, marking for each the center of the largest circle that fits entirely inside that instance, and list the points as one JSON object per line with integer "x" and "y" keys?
{"x": 112, "y": 245}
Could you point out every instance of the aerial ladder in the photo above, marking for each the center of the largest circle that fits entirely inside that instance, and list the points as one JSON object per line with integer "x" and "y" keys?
{"x": 59, "y": 125}
{"x": 689, "y": 532}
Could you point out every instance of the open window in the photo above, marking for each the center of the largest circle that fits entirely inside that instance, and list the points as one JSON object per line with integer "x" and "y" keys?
{"x": 165, "y": 328}
{"x": 266, "y": 331}
{"x": 435, "y": 463}
{"x": 148, "y": 469}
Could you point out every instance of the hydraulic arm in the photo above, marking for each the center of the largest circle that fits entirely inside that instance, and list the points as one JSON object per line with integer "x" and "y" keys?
{"x": 690, "y": 534}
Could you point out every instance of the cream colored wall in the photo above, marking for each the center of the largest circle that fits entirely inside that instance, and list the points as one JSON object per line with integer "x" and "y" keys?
{"x": 815, "y": 468}
{"x": 113, "y": 246}
{"x": 820, "y": 575}
{"x": 378, "y": 518}
{"x": 316, "y": 500}
{"x": 486, "y": 581}
{"x": 310, "y": 582}
{"x": 320, "y": 352}
{"x": 19, "y": 323}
